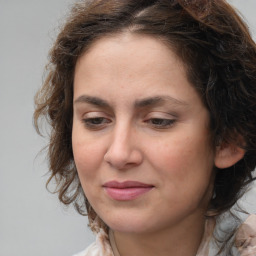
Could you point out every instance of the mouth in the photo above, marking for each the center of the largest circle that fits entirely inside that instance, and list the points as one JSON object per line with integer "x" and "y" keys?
{"x": 126, "y": 191}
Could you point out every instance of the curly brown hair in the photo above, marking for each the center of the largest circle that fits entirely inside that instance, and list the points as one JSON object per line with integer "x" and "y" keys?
{"x": 219, "y": 55}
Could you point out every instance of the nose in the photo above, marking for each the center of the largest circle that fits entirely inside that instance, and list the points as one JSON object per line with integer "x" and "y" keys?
{"x": 123, "y": 151}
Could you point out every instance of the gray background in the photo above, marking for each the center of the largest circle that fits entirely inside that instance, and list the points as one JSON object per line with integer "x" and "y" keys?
{"x": 32, "y": 221}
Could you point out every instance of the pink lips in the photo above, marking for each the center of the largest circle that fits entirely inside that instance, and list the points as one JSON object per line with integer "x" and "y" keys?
{"x": 125, "y": 191}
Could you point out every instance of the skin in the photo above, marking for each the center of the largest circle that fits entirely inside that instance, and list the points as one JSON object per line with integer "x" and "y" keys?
{"x": 165, "y": 142}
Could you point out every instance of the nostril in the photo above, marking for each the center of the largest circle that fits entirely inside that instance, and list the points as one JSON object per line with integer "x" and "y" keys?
{"x": 116, "y": 159}
{"x": 123, "y": 159}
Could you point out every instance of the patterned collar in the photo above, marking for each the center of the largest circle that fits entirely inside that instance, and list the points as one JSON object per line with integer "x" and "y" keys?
{"x": 203, "y": 248}
{"x": 245, "y": 240}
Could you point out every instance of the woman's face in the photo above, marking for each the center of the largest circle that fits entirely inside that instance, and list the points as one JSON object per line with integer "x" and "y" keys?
{"x": 140, "y": 136}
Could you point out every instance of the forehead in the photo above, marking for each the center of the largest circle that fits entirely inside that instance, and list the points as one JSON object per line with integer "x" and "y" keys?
{"x": 128, "y": 55}
{"x": 132, "y": 66}
{"x": 126, "y": 48}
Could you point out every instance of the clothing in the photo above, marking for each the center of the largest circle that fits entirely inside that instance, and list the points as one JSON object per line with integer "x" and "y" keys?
{"x": 246, "y": 237}
{"x": 245, "y": 241}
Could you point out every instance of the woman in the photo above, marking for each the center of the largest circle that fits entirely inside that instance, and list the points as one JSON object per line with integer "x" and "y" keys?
{"x": 153, "y": 116}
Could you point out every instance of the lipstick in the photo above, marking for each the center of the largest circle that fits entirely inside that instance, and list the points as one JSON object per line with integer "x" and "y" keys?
{"x": 126, "y": 191}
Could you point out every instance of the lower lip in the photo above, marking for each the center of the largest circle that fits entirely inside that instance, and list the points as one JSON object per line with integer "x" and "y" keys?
{"x": 126, "y": 194}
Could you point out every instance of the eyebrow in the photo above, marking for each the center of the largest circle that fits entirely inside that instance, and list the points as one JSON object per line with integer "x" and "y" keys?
{"x": 146, "y": 102}
{"x": 92, "y": 100}
{"x": 158, "y": 100}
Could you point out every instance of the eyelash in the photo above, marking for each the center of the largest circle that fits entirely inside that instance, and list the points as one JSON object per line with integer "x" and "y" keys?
{"x": 96, "y": 123}
{"x": 161, "y": 123}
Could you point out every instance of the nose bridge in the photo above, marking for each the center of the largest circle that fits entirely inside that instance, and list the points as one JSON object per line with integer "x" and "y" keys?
{"x": 121, "y": 135}
{"x": 121, "y": 144}
{"x": 122, "y": 150}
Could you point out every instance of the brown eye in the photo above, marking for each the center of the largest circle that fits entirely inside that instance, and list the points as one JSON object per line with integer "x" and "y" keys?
{"x": 161, "y": 122}
{"x": 95, "y": 122}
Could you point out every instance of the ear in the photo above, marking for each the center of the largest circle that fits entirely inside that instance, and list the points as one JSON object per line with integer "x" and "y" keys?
{"x": 227, "y": 155}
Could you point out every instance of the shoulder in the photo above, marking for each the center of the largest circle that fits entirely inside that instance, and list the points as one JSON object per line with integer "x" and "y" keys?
{"x": 91, "y": 250}
{"x": 246, "y": 237}
{"x": 101, "y": 247}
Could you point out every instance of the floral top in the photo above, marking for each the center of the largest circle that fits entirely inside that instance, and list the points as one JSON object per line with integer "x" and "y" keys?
{"x": 245, "y": 241}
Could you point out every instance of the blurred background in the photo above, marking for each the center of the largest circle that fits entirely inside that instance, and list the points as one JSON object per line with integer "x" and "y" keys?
{"x": 32, "y": 221}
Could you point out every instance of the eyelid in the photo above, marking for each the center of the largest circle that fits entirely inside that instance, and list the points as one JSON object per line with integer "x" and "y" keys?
{"x": 161, "y": 115}
{"x": 160, "y": 120}
{"x": 95, "y": 120}
{"x": 95, "y": 114}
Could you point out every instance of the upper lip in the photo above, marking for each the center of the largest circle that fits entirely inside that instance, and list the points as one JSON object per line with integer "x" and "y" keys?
{"x": 126, "y": 184}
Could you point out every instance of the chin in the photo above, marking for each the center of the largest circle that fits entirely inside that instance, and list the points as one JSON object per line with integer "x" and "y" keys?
{"x": 127, "y": 224}
{"x": 129, "y": 228}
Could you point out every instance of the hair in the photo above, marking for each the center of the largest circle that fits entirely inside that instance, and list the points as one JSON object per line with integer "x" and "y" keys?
{"x": 218, "y": 52}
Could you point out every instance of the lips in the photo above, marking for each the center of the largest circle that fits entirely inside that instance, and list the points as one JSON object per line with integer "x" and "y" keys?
{"x": 126, "y": 191}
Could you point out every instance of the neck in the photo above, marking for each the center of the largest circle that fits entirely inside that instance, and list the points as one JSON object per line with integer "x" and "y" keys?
{"x": 183, "y": 239}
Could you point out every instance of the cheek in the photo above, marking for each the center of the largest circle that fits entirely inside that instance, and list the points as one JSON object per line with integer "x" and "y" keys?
{"x": 181, "y": 151}
{"x": 87, "y": 154}
{"x": 184, "y": 162}
{"x": 88, "y": 162}
{"x": 86, "y": 158}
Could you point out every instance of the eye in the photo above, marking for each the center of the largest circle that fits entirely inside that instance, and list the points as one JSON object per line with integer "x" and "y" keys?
{"x": 160, "y": 123}
{"x": 95, "y": 123}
